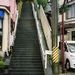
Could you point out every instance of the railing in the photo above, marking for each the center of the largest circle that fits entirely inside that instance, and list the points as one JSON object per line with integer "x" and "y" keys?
{"x": 43, "y": 29}
{"x": 17, "y": 16}
{"x": 13, "y": 35}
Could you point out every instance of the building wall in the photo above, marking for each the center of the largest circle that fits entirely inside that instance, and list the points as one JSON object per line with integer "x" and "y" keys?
{"x": 67, "y": 21}
{"x": 70, "y": 35}
{"x": 5, "y": 33}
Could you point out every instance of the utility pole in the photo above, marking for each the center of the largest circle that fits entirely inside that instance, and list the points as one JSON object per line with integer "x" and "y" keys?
{"x": 63, "y": 9}
{"x": 62, "y": 36}
{"x": 54, "y": 20}
{"x": 54, "y": 25}
{"x": 62, "y": 41}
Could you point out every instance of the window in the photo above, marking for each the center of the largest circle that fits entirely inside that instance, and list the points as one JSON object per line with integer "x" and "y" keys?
{"x": 71, "y": 12}
{"x": 73, "y": 35}
{"x": 71, "y": 47}
{"x": 1, "y": 18}
{"x": 69, "y": 1}
{"x": 1, "y": 26}
{"x": 65, "y": 47}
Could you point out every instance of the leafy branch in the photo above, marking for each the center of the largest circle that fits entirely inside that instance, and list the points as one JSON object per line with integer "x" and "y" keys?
{"x": 63, "y": 8}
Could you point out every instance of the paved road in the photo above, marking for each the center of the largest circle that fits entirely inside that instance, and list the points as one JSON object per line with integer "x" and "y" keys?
{"x": 71, "y": 72}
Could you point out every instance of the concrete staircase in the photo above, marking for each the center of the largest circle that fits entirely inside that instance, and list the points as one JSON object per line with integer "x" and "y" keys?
{"x": 26, "y": 56}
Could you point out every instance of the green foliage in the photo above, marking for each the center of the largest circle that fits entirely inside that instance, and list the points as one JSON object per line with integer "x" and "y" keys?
{"x": 63, "y": 8}
{"x": 49, "y": 57}
{"x": 35, "y": 5}
{"x": 17, "y": 1}
{"x": 1, "y": 58}
{"x": 19, "y": 6}
{"x": 29, "y": 0}
{"x": 42, "y": 2}
{"x": 2, "y": 66}
{"x": 23, "y": 0}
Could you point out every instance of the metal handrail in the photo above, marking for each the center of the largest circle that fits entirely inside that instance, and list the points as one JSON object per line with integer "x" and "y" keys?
{"x": 44, "y": 52}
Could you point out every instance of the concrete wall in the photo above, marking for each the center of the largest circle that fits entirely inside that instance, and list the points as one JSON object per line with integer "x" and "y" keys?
{"x": 46, "y": 28}
{"x": 5, "y": 33}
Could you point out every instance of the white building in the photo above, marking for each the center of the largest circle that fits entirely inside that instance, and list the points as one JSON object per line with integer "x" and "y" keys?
{"x": 69, "y": 19}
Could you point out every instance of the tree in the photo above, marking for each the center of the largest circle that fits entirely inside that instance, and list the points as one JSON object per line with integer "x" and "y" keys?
{"x": 63, "y": 8}
{"x": 42, "y": 2}
{"x": 17, "y": 1}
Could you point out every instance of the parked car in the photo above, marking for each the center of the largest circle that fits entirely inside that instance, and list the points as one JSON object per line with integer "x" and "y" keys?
{"x": 69, "y": 54}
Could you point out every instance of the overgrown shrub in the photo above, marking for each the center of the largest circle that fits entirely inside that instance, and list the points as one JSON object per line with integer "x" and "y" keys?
{"x": 19, "y": 6}
{"x": 2, "y": 66}
{"x": 42, "y": 2}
